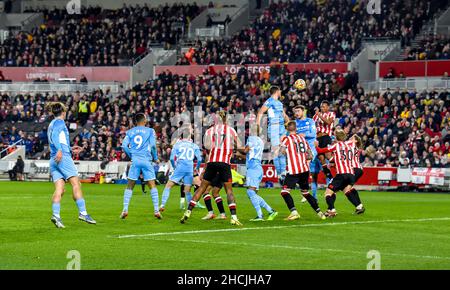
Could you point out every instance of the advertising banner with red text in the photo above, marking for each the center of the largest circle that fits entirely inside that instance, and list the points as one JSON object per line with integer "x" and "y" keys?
{"x": 93, "y": 74}
{"x": 254, "y": 68}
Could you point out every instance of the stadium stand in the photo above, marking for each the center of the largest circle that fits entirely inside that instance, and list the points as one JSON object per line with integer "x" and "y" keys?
{"x": 97, "y": 37}
{"x": 313, "y": 31}
{"x": 433, "y": 47}
{"x": 394, "y": 125}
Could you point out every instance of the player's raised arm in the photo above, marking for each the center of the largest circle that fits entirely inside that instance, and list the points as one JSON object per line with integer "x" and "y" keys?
{"x": 285, "y": 116}
{"x": 261, "y": 112}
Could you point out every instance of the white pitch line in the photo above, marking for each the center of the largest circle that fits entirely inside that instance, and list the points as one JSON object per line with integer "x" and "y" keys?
{"x": 299, "y": 248}
{"x": 280, "y": 227}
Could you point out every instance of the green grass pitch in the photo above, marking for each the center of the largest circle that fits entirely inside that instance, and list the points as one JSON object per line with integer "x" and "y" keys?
{"x": 410, "y": 231}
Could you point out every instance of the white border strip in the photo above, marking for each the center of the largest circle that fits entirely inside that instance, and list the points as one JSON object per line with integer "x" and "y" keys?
{"x": 299, "y": 248}
{"x": 324, "y": 224}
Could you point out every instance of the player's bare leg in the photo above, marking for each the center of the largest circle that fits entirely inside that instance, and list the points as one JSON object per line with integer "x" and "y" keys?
{"x": 197, "y": 195}
{"x": 219, "y": 202}
{"x": 325, "y": 169}
{"x": 353, "y": 196}
{"x": 231, "y": 203}
{"x": 207, "y": 199}
{"x": 155, "y": 198}
{"x": 187, "y": 194}
{"x": 128, "y": 193}
{"x": 330, "y": 197}
{"x": 214, "y": 191}
{"x": 166, "y": 194}
{"x": 79, "y": 200}
{"x": 56, "y": 203}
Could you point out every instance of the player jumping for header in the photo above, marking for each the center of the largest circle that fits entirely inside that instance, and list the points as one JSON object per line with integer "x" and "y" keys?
{"x": 276, "y": 129}
{"x": 325, "y": 123}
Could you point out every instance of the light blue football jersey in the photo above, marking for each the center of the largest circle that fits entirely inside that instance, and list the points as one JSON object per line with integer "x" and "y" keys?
{"x": 183, "y": 154}
{"x": 58, "y": 138}
{"x": 140, "y": 143}
{"x": 254, "y": 155}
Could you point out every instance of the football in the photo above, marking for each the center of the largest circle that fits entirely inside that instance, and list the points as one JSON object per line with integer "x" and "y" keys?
{"x": 300, "y": 84}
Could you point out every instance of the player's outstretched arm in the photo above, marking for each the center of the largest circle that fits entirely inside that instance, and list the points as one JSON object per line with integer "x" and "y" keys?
{"x": 261, "y": 112}
{"x": 286, "y": 117}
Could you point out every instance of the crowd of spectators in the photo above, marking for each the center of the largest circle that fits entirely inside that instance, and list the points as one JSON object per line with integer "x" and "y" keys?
{"x": 432, "y": 47}
{"x": 395, "y": 125}
{"x": 314, "y": 31}
{"x": 96, "y": 36}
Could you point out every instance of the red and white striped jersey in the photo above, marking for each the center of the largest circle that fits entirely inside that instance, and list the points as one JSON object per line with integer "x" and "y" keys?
{"x": 222, "y": 139}
{"x": 343, "y": 156}
{"x": 356, "y": 154}
{"x": 296, "y": 150}
{"x": 321, "y": 126}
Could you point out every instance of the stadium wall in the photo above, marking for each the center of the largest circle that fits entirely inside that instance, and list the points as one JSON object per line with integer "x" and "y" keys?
{"x": 373, "y": 178}
{"x": 93, "y": 74}
{"x": 341, "y": 67}
{"x": 423, "y": 68}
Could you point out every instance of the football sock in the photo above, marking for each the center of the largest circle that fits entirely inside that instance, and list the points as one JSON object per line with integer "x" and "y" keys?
{"x": 288, "y": 200}
{"x": 192, "y": 204}
{"x": 208, "y": 203}
{"x": 353, "y": 197}
{"x": 155, "y": 199}
{"x": 126, "y": 198}
{"x": 254, "y": 199}
{"x": 330, "y": 201}
{"x": 81, "y": 206}
{"x": 357, "y": 196}
{"x": 56, "y": 209}
{"x": 264, "y": 204}
{"x": 188, "y": 196}
{"x": 182, "y": 193}
{"x": 312, "y": 202}
{"x": 327, "y": 172}
{"x": 219, "y": 203}
{"x": 232, "y": 207}
{"x": 143, "y": 186}
{"x": 165, "y": 196}
{"x": 314, "y": 189}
